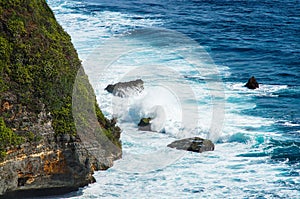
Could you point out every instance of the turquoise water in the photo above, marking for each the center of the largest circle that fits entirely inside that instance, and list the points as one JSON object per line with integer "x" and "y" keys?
{"x": 195, "y": 57}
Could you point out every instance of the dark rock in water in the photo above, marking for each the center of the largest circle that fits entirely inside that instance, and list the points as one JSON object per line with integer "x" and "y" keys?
{"x": 144, "y": 124}
{"x": 125, "y": 89}
{"x": 252, "y": 83}
{"x": 110, "y": 88}
{"x": 195, "y": 144}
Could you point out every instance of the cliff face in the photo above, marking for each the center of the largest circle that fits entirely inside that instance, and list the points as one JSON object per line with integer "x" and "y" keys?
{"x": 40, "y": 144}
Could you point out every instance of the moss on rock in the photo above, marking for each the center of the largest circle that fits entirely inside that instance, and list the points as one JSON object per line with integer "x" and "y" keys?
{"x": 7, "y": 138}
{"x": 38, "y": 67}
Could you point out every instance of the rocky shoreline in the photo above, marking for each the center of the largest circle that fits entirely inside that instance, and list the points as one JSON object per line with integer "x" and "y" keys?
{"x": 57, "y": 162}
{"x": 193, "y": 144}
{"x": 41, "y": 151}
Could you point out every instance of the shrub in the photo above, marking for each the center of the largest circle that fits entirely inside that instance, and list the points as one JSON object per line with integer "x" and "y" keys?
{"x": 8, "y": 138}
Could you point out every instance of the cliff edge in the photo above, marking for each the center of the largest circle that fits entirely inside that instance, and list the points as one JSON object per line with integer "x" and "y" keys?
{"x": 43, "y": 150}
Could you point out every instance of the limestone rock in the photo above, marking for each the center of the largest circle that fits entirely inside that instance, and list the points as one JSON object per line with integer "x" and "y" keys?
{"x": 125, "y": 89}
{"x": 195, "y": 144}
{"x": 44, "y": 154}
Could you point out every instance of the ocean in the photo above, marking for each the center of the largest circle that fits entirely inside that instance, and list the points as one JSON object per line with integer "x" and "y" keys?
{"x": 194, "y": 58}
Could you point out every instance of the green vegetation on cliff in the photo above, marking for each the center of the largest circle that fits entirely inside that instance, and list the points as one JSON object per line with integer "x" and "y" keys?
{"x": 7, "y": 138}
{"x": 38, "y": 66}
{"x": 38, "y": 61}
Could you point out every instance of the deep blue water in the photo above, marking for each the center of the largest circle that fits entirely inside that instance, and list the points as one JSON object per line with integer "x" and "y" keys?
{"x": 258, "y": 38}
{"x": 253, "y": 38}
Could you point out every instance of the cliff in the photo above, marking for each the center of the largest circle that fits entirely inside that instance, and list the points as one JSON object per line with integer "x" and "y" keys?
{"x": 45, "y": 143}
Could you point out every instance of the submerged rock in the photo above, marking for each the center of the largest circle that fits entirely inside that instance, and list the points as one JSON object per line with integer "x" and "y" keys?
{"x": 144, "y": 124}
{"x": 125, "y": 89}
{"x": 195, "y": 144}
{"x": 252, "y": 83}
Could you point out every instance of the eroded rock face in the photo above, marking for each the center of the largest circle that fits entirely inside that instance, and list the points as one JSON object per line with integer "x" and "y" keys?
{"x": 252, "y": 83}
{"x": 195, "y": 144}
{"x": 50, "y": 163}
{"x": 126, "y": 89}
{"x": 36, "y": 104}
{"x": 53, "y": 165}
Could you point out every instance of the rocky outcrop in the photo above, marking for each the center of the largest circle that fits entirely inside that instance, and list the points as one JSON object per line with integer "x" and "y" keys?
{"x": 125, "y": 89}
{"x": 48, "y": 163}
{"x": 41, "y": 149}
{"x": 252, "y": 83}
{"x": 145, "y": 124}
{"x": 195, "y": 144}
{"x": 60, "y": 164}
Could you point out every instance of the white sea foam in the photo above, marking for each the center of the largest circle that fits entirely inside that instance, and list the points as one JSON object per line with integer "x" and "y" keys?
{"x": 291, "y": 124}
{"x": 263, "y": 90}
{"x": 210, "y": 176}
{"x": 89, "y": 30}
{"x": 181, "y": 107}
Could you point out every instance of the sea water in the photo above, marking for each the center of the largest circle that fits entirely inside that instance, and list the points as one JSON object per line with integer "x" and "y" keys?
{"x": 195, "y": 58}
